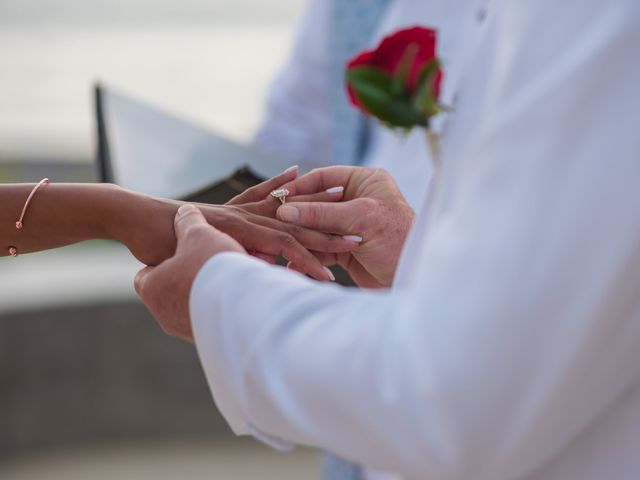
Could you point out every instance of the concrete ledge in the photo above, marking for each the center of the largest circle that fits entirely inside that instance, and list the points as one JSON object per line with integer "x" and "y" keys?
{"x": 84, "y": 375}
{"x": 84, "y": 274}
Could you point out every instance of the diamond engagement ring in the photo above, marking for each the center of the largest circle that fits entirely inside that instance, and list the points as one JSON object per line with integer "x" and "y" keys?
{"x": 280, "y": 194}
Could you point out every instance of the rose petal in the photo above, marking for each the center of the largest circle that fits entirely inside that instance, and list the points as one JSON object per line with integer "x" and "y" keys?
{"x": 390, "y": 51}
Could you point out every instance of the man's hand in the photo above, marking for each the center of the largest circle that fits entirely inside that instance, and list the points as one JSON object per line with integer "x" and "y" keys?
{"x": 373, "y": 211}
{"x": 165, "y": 289}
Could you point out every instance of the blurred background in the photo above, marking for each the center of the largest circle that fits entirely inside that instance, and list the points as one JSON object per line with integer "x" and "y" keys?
{"x": 89, "y": 387}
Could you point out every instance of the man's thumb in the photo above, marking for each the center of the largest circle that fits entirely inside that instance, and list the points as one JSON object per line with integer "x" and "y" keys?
{"x": 187, "y": 217}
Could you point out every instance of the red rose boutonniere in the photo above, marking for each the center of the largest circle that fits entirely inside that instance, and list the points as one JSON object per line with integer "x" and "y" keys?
{"x": 399, "y": 81}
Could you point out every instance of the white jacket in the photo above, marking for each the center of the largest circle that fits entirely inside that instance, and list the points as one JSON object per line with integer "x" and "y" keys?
{"x": 508, "y": 347}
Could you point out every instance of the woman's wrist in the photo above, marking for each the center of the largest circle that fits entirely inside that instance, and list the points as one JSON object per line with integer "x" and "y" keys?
{"x": 144, "y": 224}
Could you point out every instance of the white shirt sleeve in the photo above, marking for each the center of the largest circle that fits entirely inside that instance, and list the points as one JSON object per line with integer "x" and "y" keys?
{"x": 522, "y": 326}
{"x": 297, "y": 123}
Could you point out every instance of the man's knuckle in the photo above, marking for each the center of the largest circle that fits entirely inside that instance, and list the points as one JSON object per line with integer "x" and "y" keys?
{"x": 294, "y": 229}
{"x": 315, "y": 214}
{"x": 366, "y": 215}
{"x": 368, "y": 205}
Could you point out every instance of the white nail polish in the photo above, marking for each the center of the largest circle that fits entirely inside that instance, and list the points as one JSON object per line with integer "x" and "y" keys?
{"x": 291, "y": 169}
{"x": 330, "y": 273}
{"x": 335, "y": 190}
{"x": 353, "y": 238}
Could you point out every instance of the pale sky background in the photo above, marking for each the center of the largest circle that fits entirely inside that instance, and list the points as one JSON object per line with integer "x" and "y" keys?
{"x": 208, "y": 60}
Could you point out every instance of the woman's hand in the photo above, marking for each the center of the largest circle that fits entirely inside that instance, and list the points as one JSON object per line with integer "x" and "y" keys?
{"x": 147, "y": 227}
{"x": 62, "y": 214}
{"x": 373, "y": 210}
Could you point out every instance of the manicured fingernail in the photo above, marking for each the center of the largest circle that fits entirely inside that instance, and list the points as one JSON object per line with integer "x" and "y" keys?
{"x": 353, "y": 238}
{"x": 291, "y": 169}
{"x": 289, "y": 214}
{"x": 335, "y": 190}
{"x": 184, "y": 209}
{"x": 330, "y": 273}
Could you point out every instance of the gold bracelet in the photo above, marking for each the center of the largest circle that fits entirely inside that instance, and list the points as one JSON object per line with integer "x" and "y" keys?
{"x": 13, "y": 251}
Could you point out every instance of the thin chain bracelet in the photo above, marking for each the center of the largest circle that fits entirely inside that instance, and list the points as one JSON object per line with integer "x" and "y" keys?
{"x": 13, "y": 251}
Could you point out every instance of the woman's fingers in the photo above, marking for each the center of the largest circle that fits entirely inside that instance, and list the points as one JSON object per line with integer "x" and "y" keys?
{"x": 356, "y": 270}
{"x": 272, "y": 259}
{"x": 262, "y": 190}
{"x": 332, "y": 194}
{"x": 320, "y": 179}
{"x": 271, "y": 242}
{"x": 269, "y": 206}
{"x": 325, "y": 258}
{"x": 311, "y": 239}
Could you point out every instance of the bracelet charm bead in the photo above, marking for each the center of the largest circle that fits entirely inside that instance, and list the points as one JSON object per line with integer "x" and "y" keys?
{"x": 13, "y": 251}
